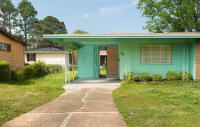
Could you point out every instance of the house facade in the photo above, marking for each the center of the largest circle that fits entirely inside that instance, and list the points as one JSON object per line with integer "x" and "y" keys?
{"x": 137, "y": 52}
{"x": 47, "y": 55}
{"x": 11, "y": 50}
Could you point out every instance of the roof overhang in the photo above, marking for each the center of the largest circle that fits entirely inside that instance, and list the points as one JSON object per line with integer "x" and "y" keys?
{"x": 127, "y": 35}
{"x": 12, "y": 37}
{"x": 44, "y": 52}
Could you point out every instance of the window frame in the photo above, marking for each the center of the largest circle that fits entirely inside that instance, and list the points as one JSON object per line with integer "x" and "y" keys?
{"x": 5, "y": 47}
{"x": 158, "y": 63}
{"x": 28, "y": 57}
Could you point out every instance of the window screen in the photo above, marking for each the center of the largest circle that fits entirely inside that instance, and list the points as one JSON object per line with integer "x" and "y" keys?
{"x": 156, "y": 54}
{"x": 31, "y": 57}
{"x": 5, "y": 47}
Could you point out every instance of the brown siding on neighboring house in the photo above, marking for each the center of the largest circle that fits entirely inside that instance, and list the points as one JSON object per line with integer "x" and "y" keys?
{"x": 198, "y": 59}
{"x": 112, "y": 61}
{"x": 15, "y": 57}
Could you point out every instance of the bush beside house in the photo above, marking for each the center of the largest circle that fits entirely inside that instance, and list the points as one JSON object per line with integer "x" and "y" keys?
{"x": 35, "y": 70}
{"x": 4, "y": 70}
{"x": 170, "y": 76}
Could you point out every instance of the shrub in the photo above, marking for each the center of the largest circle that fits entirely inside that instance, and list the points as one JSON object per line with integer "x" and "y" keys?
{"x": 18, "y": 76}
{"x": 53, "y": 68}
{"x": 145, "y": 77}
{"x": 185, "y": 76}
{"x": 35, "y": 70}
{"x": 26, "y": 64}
{"x": 136, "y": 77}
{"x": 39, "y": 69}
{"x": 133, "y": 77}
{"x": 4, "y": 70}
{"x": 171, "y": 76}
{"x": 13, "y": 75}
{"x": 29, "y": 72}
{"x": 157, "y": 77}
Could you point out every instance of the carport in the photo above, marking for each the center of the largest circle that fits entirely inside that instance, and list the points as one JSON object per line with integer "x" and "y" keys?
{"x": 88, "y": 47}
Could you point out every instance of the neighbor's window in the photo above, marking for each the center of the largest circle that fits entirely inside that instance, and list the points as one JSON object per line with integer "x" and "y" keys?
{"x": 31, "y": 57}
{"x": 156, "y": 54}
{"x": 5, "y": 47}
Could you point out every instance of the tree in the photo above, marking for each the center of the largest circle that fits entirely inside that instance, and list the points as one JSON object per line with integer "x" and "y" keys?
{"x": 80, "y": 32}
{"x": 52, "y": 25}
{"x": 28, "y": 20}
{"x": 49, "y": 25}
{"x": 8, "y": 14}
{"x": 171, "y": 15}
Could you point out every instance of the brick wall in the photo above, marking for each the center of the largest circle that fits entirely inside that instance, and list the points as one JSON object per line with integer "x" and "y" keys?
{"x": 15, "y": 57}
{"x": 112, "y": 62}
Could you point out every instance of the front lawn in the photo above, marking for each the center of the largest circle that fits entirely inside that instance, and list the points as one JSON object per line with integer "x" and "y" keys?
{"x": 16, "y": 99}
{"x": 165, "y": 104}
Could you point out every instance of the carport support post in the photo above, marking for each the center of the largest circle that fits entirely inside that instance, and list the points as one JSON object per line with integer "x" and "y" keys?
{"x": 66, "y": 69}
{"x": 73, "y": 65}
{"x": 69, "y": 64}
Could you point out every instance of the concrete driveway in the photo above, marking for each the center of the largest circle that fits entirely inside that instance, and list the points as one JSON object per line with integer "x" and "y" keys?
{"x": 86, "y": 103}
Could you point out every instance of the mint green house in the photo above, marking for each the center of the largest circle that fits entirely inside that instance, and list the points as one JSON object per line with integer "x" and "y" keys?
{"x": 136, "y": 52}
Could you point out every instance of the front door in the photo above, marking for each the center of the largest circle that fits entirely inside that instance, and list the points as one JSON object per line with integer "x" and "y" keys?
{"x": 112, "y": 62}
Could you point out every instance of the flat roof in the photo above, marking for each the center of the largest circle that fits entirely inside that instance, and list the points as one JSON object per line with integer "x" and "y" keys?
{"x": 128, "y": 35}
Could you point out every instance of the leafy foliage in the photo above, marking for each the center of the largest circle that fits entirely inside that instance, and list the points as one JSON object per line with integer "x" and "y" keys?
{"x": 171, "y": 15}
{"x": 145, "y": 77}
{"x": 185, "y": 76}
{"x": 35, "y": 70}
{"x": 49, "y": 25}
{"x": 8, "y": 15}
{"x": 4, "y": 70}
{"x": 157, "y": 77}
{"x": 133, "y": 77}
{"x": 80, "y": 32}
{"x": 27, "y": 17}
{"x": 170, "y": 76}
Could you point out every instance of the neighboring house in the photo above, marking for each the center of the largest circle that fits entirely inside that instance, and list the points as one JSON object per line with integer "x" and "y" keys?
{"x": 136, "y": 52}
{"x": 47, "y": 55}
{"x": 11, "y": 50}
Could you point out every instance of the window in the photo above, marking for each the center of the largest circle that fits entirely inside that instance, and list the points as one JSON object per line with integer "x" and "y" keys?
{"x": 156, "y": 54}
{"x": 5, "y": 47}
{"x": 31, "y": 57}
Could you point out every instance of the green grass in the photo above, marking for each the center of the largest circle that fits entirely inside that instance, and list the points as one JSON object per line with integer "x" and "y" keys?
{"x": 165, "y": 104}
{"x": 103, "y": 72}
{"x": 16, "y": 99}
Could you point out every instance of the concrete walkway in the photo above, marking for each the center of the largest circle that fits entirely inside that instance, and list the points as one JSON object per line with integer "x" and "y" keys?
{"x": 86, "y": 103}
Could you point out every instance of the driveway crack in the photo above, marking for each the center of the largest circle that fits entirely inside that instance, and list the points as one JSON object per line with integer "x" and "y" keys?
{"x": 83, "y": 100}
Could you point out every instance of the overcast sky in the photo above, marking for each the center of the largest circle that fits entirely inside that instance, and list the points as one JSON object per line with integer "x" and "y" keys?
{"x": 94, "y": 16}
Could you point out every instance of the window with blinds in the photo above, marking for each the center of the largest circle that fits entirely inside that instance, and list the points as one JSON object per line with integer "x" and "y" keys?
{"x": 156, "y": 54}
{"x": 5, "y": 47}
{"x": 31, "y": 57}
